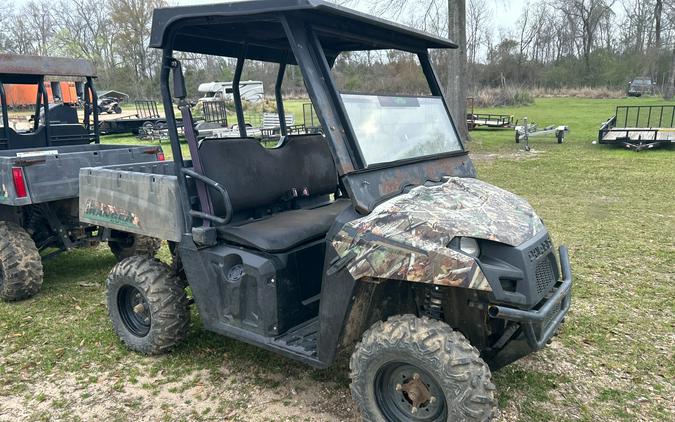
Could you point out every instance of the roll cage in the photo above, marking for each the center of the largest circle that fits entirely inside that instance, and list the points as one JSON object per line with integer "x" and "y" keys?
{"x": 310, "y": 34}
{"x": 33, "y": 70}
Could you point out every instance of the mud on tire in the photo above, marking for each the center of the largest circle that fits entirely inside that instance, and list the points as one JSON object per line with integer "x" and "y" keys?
{"x": 21, "y": 270}
{"x": 426, "y": 350}
{"x": 147, "y": 305}
{"x": 135, "y": 245}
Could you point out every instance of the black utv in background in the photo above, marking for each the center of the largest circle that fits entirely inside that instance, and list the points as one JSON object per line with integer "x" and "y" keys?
{"x": 39, "y": 168}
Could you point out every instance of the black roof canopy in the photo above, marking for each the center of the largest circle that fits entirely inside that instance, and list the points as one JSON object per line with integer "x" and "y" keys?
{"x": 223, "y": 29}
{"x": 15, "y": 68}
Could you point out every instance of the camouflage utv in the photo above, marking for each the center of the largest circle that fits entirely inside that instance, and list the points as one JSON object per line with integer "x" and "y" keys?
{"x": 373, "y": 236}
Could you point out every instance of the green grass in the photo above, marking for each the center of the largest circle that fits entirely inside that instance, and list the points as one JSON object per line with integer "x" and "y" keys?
{"x": 614, "y": 209}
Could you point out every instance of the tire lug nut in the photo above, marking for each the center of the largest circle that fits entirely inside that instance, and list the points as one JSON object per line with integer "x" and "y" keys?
{"x": 432, "y": 400}
{"x": 399, "y": 387}
{"x": 413, "y": 410}
{"x": 416, "y": 377}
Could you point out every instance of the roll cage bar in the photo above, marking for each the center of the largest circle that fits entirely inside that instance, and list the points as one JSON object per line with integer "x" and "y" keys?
{"x": 311, "y": 40}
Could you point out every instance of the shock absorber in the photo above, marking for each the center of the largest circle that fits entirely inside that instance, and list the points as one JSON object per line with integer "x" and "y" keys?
{"x": 433, "y": 303}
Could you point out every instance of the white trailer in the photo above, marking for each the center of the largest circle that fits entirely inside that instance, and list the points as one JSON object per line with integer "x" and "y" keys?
{"x": 251, "y": 91}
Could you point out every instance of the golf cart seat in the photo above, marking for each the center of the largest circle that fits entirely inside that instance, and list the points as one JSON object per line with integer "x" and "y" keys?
{"x": 289, "y": 186}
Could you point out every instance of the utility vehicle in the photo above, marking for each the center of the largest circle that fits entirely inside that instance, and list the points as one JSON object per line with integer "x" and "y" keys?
{"x": 373, "y": 235}
{"x": 39, "y": 170}
{"x": 641, "y": 86}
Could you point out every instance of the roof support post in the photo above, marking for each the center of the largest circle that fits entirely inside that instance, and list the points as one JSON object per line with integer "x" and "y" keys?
{"x": 280, "y": 99}
{"x": 3, "y": 104}
{"x": 167, "y": 61}
{"x": 435, "y": 87}
{"x": 92, "y": 97}
{"x": 45, "y": 106}
{"x": 317, "y": 79}
{"x": 238, "y": 106}
{"x": 38, "y": 103}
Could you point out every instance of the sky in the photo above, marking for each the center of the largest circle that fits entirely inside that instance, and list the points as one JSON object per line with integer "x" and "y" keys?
{"x": 505, "y": 11}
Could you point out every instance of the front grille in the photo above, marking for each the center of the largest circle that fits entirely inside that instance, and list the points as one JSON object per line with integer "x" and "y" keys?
{"x": 544, "y": 275}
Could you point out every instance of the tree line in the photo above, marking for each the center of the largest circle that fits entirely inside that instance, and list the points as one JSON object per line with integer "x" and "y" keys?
{"x": 555, "y": 44}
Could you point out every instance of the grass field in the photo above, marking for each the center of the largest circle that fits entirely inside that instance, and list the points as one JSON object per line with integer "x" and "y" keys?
{"x": 615, "y": 209}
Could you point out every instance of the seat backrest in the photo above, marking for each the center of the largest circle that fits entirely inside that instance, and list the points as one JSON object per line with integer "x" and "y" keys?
{"x": 256, "y": 177}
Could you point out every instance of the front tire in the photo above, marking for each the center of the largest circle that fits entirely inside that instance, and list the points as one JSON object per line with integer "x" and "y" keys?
{"x": 418, "y": 369}
{"x": 147, "y": 305}
{"x": 21, "y": 272}
{"x": 134, "y": 245}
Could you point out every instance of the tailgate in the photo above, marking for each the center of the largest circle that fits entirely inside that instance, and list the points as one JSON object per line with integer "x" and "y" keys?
{"x": 140, "y": 198}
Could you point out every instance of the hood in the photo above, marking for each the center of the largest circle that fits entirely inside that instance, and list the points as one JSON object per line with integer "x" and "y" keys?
{"x": 406, "y": 237}
{"x": 461, "y": 207}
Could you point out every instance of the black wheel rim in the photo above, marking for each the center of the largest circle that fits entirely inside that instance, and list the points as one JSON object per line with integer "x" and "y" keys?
{"x": 392, "y": 384}
{"x": 134, "y": 311}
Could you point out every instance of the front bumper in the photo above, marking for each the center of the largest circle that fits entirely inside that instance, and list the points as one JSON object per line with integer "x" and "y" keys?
{"x": 540, "y": 324}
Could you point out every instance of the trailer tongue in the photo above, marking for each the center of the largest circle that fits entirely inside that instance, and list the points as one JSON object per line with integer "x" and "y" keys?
{"x": 640, "y": 127}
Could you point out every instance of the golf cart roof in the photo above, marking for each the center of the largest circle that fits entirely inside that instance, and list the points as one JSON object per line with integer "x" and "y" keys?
{"x": 15, "y": 68}
{"x": 223, "y": 29}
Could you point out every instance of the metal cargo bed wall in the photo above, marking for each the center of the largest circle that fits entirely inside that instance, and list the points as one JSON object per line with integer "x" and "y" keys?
{"x": 52, "y": 174}
{"x": 140, "y": 199}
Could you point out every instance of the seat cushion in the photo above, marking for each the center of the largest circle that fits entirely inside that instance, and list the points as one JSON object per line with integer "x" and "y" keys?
{"x": 286, "y": 230}
{"x": 255, "y": 176}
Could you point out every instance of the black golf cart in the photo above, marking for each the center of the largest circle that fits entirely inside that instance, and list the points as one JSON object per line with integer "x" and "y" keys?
{"x": 373, "y": 235}
{"x": 39, "y": 168}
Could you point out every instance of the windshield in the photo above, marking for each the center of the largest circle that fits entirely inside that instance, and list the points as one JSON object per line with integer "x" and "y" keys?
{"x": 392, "y": 128}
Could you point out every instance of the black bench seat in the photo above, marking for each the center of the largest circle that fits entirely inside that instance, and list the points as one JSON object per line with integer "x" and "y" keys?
{"x": 259, "y": 178}
{"x": 287, "y": 230}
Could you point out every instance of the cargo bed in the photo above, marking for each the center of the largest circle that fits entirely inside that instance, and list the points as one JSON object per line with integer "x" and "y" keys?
{"x": 52, "y": 173}
{"x": 139, "y": 198}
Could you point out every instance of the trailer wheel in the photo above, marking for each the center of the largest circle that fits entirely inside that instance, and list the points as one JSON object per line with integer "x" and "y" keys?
{"x": 418, "y": 369}
{"x": 561, "y": 138}
{"x": 517, "y": 137}
{"x": 147, "y": 305}
{"x": 134, "y": 245}
{"x": 21, "y": 271}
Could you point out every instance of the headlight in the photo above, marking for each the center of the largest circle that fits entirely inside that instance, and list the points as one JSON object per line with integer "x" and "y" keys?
{"x": 465, "y": 245}
{"x": 469, "y": 246}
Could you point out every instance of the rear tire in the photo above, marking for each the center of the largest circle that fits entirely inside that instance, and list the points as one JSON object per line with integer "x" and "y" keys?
{"x": 134, "y": 245}
{"x": 21, "y": 272}
{"x": 147, "y": 305}
{"x": 418, "y": 369}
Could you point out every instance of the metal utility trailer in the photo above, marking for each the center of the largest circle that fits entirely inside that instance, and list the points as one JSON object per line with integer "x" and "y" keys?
{"x": 147, "y": 118}
{"x": 640, "y": 127}
{"x": 39, "y": 175}
{"x": 496, "y": 121}
{"x": 319, "y": 244}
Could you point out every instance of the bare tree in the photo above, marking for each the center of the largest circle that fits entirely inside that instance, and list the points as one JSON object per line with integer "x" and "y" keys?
{"x": 132, "y": 18}
{"x": 587, "y": 15}
{"x": 40, "y": 21}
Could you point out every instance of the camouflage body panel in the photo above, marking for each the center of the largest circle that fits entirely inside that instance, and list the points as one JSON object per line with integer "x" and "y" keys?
{"x": 406, "y": 237}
